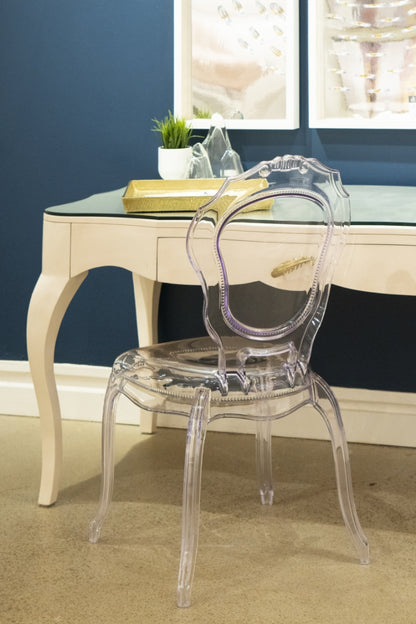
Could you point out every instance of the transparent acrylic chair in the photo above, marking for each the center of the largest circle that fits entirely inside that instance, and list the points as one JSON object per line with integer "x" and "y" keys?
{"x": 264, "y": 249}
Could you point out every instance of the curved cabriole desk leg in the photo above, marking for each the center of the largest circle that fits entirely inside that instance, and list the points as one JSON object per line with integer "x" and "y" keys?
{"x": 146, "y": 296}
{"x": 49, "y": 302}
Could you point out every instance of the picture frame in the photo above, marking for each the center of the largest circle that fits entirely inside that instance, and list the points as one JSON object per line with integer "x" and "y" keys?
{"x": 362, "y": 64}
{"x": 238, "y": 58}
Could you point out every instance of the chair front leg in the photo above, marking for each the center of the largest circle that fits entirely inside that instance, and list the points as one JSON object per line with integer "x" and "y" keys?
{"x": 264, "y": 460}
{"x": 197, "y": 427}
{"x": 107, "y": 457}
{"x": 327, "y": 405}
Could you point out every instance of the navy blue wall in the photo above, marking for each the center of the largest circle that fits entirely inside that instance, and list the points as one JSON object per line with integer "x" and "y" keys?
{"x": 80, "y": 82}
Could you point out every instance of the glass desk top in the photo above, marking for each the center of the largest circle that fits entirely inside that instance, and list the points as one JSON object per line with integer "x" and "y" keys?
{"x": 370, "y": 205}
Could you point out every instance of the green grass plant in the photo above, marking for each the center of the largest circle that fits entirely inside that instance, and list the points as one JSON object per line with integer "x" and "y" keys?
{"x": 174, "y": 131}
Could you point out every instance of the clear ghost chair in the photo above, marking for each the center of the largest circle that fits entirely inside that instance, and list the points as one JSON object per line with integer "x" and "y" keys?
{"x": 264, "y": 249}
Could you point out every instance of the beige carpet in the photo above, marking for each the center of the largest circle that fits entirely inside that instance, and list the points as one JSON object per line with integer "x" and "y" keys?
{"x": 291, "y": 563}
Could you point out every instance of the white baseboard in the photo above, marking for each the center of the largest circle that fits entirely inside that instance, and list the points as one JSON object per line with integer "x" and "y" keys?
{"x": 370, "y": 416}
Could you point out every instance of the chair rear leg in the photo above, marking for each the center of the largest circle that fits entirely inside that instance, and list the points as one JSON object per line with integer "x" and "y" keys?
{"x": 197, "y": 428}
{"x": 264, "y": 460}
{"x": 332, "y": 417}
{"x": 107, "y": 457}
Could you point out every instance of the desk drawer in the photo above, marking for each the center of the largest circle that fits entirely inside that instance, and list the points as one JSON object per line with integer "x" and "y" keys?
{"x": 246, "y": 261}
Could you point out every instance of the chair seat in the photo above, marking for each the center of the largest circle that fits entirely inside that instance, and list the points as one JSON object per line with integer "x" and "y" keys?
{"x": 175, "y": 369}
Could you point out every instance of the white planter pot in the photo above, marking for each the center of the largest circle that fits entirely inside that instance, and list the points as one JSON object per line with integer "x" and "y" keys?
{"x": 173, "y": 163}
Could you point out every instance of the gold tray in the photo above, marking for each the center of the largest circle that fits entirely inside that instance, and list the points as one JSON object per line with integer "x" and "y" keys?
{"x": 182, "y": 195}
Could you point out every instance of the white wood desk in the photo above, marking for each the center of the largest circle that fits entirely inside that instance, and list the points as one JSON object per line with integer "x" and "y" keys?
{"x": 380, "y": 256}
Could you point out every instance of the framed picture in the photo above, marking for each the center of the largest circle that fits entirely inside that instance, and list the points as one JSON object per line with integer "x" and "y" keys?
{"x": 238, "y": 58}
{"x": 362, "y": 64}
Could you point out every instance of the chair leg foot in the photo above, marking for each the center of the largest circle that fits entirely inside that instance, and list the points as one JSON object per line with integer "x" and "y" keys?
{"x": 95, "y": 530}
